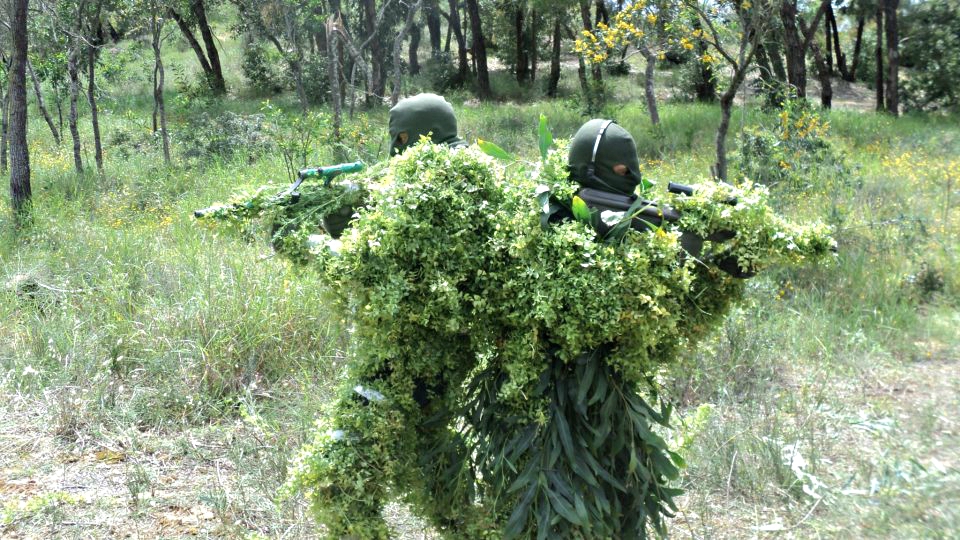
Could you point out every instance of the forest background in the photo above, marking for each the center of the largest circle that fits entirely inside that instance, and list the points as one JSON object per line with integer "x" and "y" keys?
{"x": 158, "y": 376}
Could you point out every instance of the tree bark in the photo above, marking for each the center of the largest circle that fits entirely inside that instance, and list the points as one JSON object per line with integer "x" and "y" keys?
{"x": 156, "y": 30}
{"x": 893, "y": 56}
{"x": 398, "y": 51}
{"x": 648, "y": 84}
{"x": 823, "y": 72}
{"x": 879, "y": 55}
{"x": 480, "y": 50}
{"x": 92, "y": 98}
{"x": 4, "y": 132}
{"x": 41, "y": 105}
{"x": 793, "y": 46}
{"x": 841, "y": 58}
{"x": 532, "y": 45}
{"x": 433, "y": 26}
{"x": 595, "y": 92}
{"x": 827, "y": 50}
{"x": 20, "y": 191}
{"x": 852, "y": 76}
{"x": 554, "y": 80}
{"x": 194, "y": 44}
{"x": 705, "y": 85}
{"x": 462, "y": 64}
{"x": 521, "y": 45}
{"x": 376, "y": 50}
{"x": 73, "y": 74}
{"x": 333, "y": 72}
{"x": 218, "y": 84}
{"x": 413, "y": 62}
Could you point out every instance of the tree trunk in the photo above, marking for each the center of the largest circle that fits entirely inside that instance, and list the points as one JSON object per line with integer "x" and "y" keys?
{"x": 793, "y": 45}
{"x": 554, "y": 79}
{"x": 595, "y": 97}
{"x": 20, "y": 192}
{"x": 706, "y": 86}
{"x": 841, "y": 58}
{"x": 194, "y": 44}
{"x": 763, "y": 62}
{"x": 893, "y": 56}
{"x": 200, "y": 12}
{"x": 73, "y": 74}
{"x": 413, "y": 63}
{"x": 532, "y": 45}
{"x": 648, "y": 84}
{"x": 879, "y": 55}
{"x": 521, "y": 45}
{"x": 462, "y": 64}
{"x": 726, "y": 107}
{"x": 827, "y": 51}
{"x": 433, "y": 26}
{"x": 41, "y": 105}
{"x": 480, "y": 52}
{"x": 4, "y": 132}
{"x": 333, "y": 73}
{"x": 156, "y": 30}
{"x": 376, "y": 50}
{"x": 92, "y": 99}
{"x": 398, "y": 52}
{"x": 852, "y": 76}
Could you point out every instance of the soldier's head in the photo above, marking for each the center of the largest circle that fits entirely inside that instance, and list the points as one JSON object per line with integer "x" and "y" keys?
{"x": 603, "y": 156}
{"x": 422, "y": 114}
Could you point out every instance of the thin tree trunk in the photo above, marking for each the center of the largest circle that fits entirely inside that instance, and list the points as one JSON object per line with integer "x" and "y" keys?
{"x": 4, "y": 116}
{"x": 520, "y": 44}
{"x": 554, "y": 79}
{"x": 793, "y": 46}
{"x": 480, "y": 52}
{"x": 92, "y": 99}
{"x": 398, "y": 51}
{"x": 597, "y": 71}
{"x": 194, "y": 44}
{"x": 376, "y": 51}
{"x": 41, "y": 105}
{"x": 433, "y": 26}
{"x": 333, "y": 72}
{"x": 534, "y": 49}
{"x": 879, "y": 55}
{"x": 462, "y": 64}
{"x": 726, "y": 107}
{"x": 648, "y": 84}
{"x": 893, "y": 56}
{"x": 705, "y": 84}
{"x": 861, "y": 22}
{"x": 413, "y": 62}
{"x": 20, "y": 191}
{"x": 72, "y": 73}
{"x": 823, "y": 73}
{"x": 156, "y": 106}
{"x": 157, "y": 29}
{"x": 200, "y": 12}
{"x": 58, "y": 100}
{"x": 827, "y": 50}
{"x": 841, "y": 58}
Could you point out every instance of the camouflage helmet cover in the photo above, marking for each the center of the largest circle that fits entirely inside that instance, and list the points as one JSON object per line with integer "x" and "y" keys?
{"x": 615, "y": 146}
{"x": 421, "y": 115}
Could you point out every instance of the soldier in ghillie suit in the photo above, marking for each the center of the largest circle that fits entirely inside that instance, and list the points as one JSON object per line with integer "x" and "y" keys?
{"x": 423, "y": 115}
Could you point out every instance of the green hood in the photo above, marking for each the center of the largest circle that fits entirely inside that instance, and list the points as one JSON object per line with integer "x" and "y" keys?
{"x": 421, "y": 115}
{"x": 616, "y": 146}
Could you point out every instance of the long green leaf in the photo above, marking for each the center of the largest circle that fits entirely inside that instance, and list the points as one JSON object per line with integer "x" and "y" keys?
{"x": 545, "y": 137}
{"x": 580, "y": 210}
{"x": 492, "y": 149}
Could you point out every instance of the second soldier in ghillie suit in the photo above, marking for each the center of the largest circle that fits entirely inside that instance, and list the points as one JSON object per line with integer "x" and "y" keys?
{"x": 386, "y": 407}
{"x": 423, "y": 115}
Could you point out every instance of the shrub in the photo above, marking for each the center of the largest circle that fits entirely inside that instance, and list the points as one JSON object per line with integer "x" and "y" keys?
{"x": 793, "y": 152}
{"x": 264, "y": 68}
{"x": 441, "y": 73}
{"x": 225, "y": 136}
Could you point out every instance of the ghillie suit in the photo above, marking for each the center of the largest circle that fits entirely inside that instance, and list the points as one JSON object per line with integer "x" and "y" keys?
{"x": 534, "y": 342}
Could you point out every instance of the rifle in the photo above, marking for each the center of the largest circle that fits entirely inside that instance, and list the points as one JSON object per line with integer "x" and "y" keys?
{"x": 249, "y": 207}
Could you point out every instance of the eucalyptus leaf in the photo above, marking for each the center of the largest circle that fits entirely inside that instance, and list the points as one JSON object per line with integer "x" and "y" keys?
{"x": 493, "y": 150}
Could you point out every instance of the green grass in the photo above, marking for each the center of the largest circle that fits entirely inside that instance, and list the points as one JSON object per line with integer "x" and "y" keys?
{"x": 120, "y": 313}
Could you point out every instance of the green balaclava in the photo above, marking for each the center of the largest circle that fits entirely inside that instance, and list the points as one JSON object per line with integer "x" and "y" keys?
{"x": 422, "y": 114}
{"x": 615, "y": 146}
